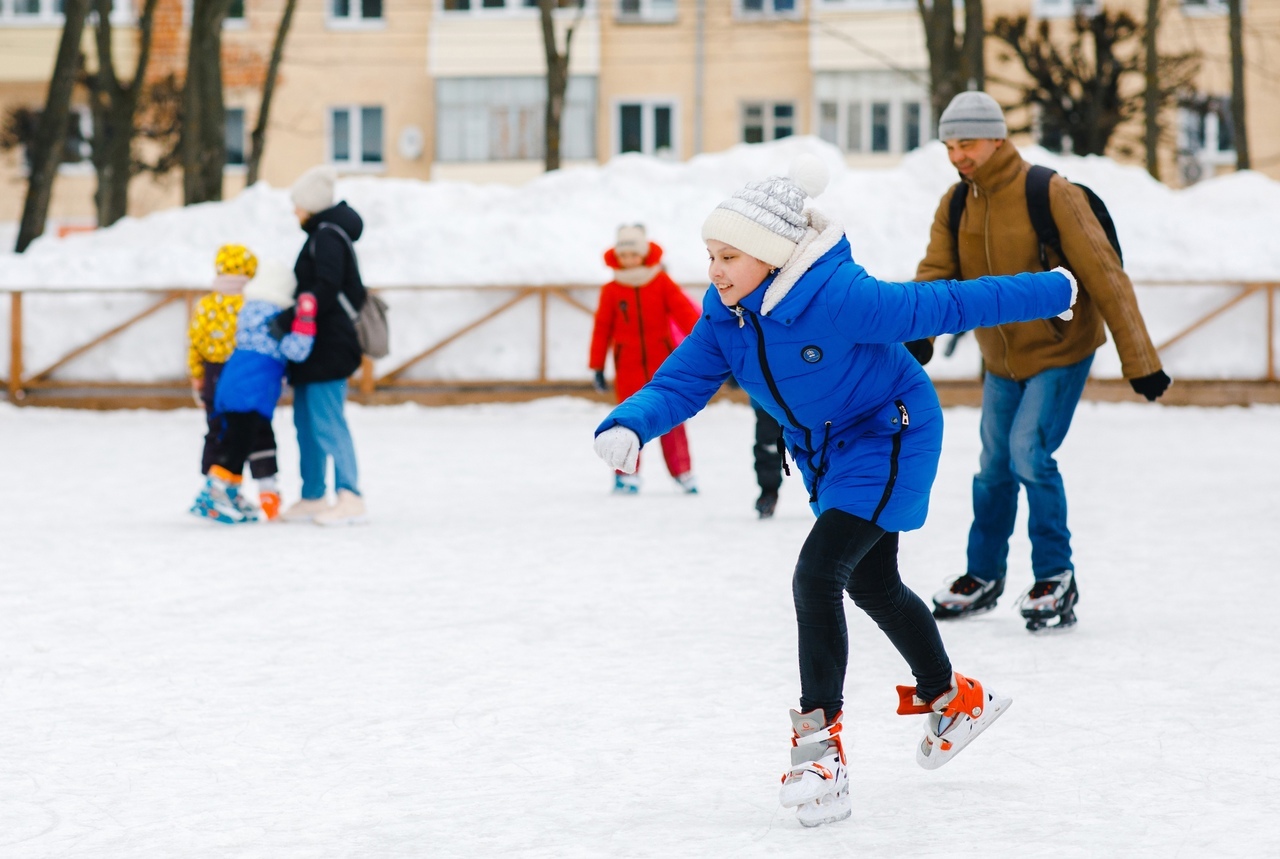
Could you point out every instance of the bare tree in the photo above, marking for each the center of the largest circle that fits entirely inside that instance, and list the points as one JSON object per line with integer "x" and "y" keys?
{"x": 1150, "y": 91}
{"x": 44, "y": 154}
{"x": 956, "y": 60}
{"x": 1080, "y": 88}
{"x": 1238, "y": 125}
{"x": 203, "y": 143}
{"x": 258, "y": 139}
{"x": 557, "y": 76}
{"x": 114, "y": 106}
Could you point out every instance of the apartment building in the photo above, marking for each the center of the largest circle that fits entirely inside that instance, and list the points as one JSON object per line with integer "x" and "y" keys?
{"x": 454, "y": 89}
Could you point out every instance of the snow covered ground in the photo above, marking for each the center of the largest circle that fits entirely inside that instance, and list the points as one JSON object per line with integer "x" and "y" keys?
{"x": 508, "y": 661}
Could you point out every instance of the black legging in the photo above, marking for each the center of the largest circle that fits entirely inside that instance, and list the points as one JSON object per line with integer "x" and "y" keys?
{"x": 844, "y": 552}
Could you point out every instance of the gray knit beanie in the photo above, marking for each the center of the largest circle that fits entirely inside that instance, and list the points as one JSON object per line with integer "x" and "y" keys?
{"x": 972, "y": 116}
{"x": 767, "y": 219}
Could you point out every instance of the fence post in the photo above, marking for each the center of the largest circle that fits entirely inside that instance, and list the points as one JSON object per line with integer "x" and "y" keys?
{"x": 16, "y": 394}
{"x": 542, "y": 334}
{"x": 1271, "y": 331}
{"x": 366, "y": 375}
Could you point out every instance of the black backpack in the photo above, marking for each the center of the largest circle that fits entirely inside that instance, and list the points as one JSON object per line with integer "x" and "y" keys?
{"x": 1041, "y": 217}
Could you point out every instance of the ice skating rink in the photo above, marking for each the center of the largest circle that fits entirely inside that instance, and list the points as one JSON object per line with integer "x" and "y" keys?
{"x": 509, "y": 661}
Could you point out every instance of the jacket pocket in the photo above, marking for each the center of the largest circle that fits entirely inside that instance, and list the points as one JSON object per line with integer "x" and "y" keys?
{"x": 1057, "y": 328}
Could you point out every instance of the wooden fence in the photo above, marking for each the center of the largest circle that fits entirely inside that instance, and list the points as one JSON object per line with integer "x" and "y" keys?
{"x": 391, "y": 380}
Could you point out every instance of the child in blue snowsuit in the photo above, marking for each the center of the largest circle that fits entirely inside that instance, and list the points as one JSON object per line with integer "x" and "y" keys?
{"x": 251, "y": 382}
{"x": 816, "y": 341}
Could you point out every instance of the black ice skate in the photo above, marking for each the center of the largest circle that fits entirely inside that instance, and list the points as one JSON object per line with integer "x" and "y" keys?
{"x": 1050, "y": 599}
{"x": 965, "y": 596}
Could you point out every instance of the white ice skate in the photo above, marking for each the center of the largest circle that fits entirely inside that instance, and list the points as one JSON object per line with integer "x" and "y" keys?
{"x": 954, "y": 719}
{"x": 817, "y": 785}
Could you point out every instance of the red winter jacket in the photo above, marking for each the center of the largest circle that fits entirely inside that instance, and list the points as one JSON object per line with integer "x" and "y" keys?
{"x": 640, "y": 313}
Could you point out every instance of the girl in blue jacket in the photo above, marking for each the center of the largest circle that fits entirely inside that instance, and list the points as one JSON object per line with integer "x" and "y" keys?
{"x": 816, "y": 341}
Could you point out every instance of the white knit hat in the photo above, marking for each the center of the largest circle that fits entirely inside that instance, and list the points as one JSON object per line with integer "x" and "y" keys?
{"x": 313, "y": 192}
{"x": 632, "y": 238}
{"x": 767, "y": 219}
{"x": 274, "y": 284}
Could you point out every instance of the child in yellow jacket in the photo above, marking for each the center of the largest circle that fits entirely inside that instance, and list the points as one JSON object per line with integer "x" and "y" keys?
{"x": 213, "y": 338}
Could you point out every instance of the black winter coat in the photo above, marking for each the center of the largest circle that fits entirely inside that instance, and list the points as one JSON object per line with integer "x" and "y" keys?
{"x": 324, "y": 270}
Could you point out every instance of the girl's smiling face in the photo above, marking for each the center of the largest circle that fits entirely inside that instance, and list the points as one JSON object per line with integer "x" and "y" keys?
{"x": 734, "y": 273}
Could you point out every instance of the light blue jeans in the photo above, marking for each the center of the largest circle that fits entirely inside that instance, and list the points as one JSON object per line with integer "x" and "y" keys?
{"x": 323, "y": 433}
{"x": 1023, "y": 423}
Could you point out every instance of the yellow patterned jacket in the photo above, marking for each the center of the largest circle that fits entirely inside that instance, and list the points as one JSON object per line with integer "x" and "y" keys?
{"x": 213, "y": 331}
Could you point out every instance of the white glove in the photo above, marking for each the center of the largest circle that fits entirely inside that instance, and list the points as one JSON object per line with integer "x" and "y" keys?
{"x": 1068, "y": 313}
{"x": 619, "y": 447}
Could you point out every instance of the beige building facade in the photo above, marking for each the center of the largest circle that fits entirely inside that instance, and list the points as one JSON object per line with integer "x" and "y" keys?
{"x": 454, "y": 89}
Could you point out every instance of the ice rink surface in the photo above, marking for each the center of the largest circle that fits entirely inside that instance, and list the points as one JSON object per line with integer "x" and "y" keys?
{"x": 509, "y": 661}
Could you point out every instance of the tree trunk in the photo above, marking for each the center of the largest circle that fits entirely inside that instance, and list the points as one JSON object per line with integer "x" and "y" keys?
{"x": 45, "y": 151}
{"x": 557, "y": 82}
{"x": 1239, "y": 128}
{"x": 258, "y": 139}
{"x": 1151, "y": 93}
{"x": 956, "y": 61}
{"x": 204, "y": 144}
{"x": 114, "y": 109}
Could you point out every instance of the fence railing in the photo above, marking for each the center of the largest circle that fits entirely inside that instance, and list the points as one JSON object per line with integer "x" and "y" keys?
{"x": 38, "y": 318}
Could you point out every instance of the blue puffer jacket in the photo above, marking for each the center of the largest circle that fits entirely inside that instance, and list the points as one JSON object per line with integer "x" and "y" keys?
{"x": 819, "y": 347}
{"x": 254, "y": 374}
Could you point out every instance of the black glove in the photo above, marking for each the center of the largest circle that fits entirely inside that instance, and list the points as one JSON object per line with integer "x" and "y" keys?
{"x": 1151, "y": 386}
{"x": 599, "y": 383}
{"x": 921, "y": 350}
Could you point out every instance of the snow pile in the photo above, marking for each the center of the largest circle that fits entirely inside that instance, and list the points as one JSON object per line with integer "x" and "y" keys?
{"x": 555, "y": 228}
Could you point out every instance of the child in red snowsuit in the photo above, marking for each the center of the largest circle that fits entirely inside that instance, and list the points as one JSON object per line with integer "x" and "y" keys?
{"x": 643, "y": 315}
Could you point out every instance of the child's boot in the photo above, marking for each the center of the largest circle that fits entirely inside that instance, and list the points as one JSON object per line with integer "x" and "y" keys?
{"x": 817, "y": 785}
{"x": 242, "y": 502}
{"x": 626, "y": 484}
{"x": 953, "y": 719}
{"x": 269, "y": 498}
{"x": 688, "y": 483}
{"x": 213, "y": 502}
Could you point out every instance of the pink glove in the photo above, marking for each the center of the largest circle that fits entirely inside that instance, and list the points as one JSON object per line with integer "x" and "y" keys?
{"x": 304, "y": 315}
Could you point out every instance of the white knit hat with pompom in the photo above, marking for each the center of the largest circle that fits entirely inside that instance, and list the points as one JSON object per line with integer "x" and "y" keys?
{"x": 767, "y": 219}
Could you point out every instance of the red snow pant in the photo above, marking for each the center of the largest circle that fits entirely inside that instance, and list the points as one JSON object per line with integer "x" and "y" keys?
{"x": 675, "y": 450}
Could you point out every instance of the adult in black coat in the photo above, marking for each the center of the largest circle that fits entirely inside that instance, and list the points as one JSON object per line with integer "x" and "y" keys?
{"x": 327, "y": 268}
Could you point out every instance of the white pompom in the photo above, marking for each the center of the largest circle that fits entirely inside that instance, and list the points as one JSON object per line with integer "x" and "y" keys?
{"x": 809, "y": 173}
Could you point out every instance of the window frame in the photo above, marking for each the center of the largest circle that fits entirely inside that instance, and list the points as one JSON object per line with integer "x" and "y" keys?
{"x": 509, "y": 8}
{"x": 49, "y": 17}
{"x": 769, "y": 118}
{"x": 355, "y": 138}
{"x": 1204, "y": 9}
{"x": 797, "y": 13}
{"x": 354, "y": 21}
{"x": 648, "y": 106}
{"x": 646, "y": 14}
{"x": 1050, "y": 8}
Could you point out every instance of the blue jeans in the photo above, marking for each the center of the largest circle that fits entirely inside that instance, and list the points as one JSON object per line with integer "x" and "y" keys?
{"x": 1023, "y": 423}
{"x": 322, "y": 433}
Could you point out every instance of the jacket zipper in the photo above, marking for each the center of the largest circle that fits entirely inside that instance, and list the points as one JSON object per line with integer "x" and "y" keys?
{"x": 773, "y": 389}
{"x": 893, "y": 460}
{"x": 644, "y": 353}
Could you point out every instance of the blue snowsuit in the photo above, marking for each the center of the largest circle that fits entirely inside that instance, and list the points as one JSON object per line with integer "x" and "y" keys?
{"x": 859, "y": 415}
{"x": 254, "y": 374}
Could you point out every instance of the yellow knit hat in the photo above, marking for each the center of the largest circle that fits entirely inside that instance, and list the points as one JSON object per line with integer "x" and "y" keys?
{"x": 235, "y": 259}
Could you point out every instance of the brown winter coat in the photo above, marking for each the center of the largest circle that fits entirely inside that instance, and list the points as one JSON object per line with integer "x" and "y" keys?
{"x": 996, "y": 237}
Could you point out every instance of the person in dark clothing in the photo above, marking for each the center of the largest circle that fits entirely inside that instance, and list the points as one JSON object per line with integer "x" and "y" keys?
{"x": 768, "y": 458}
{"x": 326, "y": 267}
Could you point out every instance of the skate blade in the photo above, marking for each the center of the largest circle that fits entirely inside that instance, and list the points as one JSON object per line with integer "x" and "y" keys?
{"x": 996, "y": 707}
{"x": 1041, "y": 626}
{"x": 832, "y": 808}
{"x": 941, "y": 613}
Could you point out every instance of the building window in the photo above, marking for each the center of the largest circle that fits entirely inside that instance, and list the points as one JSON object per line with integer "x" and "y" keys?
{"x": 1205, "y": 7}
{"x": 1205, "y": 129}
{"x": 45, "y": 12}
{"x": 646, "y": 127}
{"x": 234, "y": 20}
{"x": 767, "y": 8}
{"x": 496, "y": 6}
{"x": 234, "y": 131}
{"x": 355, "y": 12}
{"x": 879, "y": 112}
{"x": 1065, "y": 8}
{"x": 355, "y": 136}
{"x": 502, "y": 119}
{"x": 762, "y": 122}
{"x": 646, "y": 10}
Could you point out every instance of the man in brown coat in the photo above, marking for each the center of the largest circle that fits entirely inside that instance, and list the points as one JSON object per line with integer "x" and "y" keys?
{"x": 1035, "y": 371}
